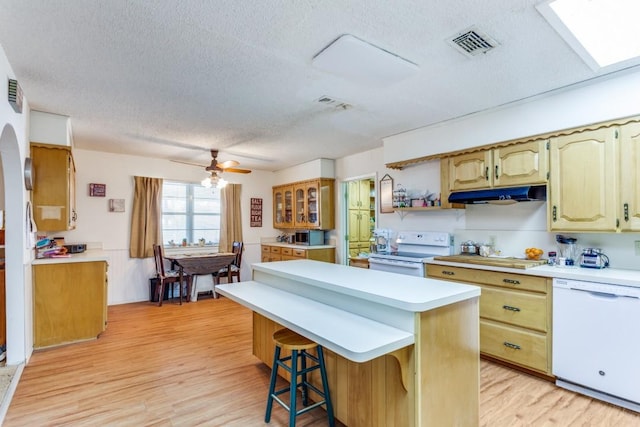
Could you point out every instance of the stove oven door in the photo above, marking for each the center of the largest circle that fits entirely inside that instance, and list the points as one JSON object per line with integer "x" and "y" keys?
{"x": 409, "y": 268}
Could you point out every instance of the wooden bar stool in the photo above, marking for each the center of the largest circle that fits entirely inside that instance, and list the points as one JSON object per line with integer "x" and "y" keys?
{"x": 289, "y": 340}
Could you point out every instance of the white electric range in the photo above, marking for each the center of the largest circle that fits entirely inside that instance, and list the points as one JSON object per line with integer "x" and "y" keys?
{"x": 414, "y": 247}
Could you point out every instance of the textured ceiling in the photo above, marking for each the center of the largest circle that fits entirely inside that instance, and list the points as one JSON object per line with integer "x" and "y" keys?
{"x": 172, "y": 79}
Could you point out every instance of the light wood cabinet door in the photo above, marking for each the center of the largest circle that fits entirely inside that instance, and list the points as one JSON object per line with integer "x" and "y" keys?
{"x": 53, "y": 195}
{"x": 582, "y": 182}
{"x": 470, "y": 171}
{"x": 521, "y": 346}
{"x": 629, "y": 178}
{"x": 283, "y": 207}
{"x": 521, "y": 164}
{"x": 69, "y": 302}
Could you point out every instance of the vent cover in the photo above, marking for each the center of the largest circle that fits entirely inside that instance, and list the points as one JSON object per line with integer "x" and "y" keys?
{"x": 333, "y": 102}
{"x": 472, "y": 42}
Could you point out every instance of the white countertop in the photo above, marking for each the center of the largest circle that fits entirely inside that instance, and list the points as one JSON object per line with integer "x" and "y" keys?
{"x": 355, "y": 337}
{"x": 89, "y": 255}
{"x": 604, "y": 275}
{"x": 415, "y": 294}
{"x": 357, "y": 313}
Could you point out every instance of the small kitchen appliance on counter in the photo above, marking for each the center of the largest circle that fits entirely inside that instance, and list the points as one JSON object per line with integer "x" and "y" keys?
{"x": 382, "y": 238}
{"x": 567, "y": 250}
{"x": 76, "y": 248}
{"x": 593, "y": 258}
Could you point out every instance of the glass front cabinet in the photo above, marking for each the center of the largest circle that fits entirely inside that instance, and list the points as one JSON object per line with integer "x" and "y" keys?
{"x": 311, "y": 201}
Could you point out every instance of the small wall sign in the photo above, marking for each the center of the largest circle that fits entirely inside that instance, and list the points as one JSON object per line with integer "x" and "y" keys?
{"x": 116, "y": 205}
{"x": 256, "y": 212}
{"x": 97, "y": 190}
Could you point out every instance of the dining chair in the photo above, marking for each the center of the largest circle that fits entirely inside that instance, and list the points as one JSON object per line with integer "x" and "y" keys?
{"x": 170, "y": 277}
{"x": 233, "y": 270}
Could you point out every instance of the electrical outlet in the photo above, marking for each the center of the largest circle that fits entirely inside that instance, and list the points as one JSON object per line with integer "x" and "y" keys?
{"x": 636, "y": 245}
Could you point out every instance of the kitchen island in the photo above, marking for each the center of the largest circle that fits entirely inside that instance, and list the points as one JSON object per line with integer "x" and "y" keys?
{"x": 400, "y": 350}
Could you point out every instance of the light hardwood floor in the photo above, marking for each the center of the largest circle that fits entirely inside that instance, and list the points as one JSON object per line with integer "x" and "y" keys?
{"x": 192, "y": 365}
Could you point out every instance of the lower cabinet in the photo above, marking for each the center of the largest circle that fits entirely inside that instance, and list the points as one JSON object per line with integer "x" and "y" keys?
{"x": 515, "y": 315}
{"x": 70, "y": 302}
{"x": 285, "y": 253}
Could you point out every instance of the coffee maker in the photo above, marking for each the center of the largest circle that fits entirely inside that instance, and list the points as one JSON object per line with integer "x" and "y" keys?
{"x": 382, "y": 240}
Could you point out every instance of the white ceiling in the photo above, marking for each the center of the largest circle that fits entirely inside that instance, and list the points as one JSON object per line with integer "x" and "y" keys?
{"x": 172, "y": 79}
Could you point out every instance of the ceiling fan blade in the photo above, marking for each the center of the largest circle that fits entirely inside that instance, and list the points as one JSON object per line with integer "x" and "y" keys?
{"x": 228, "y": 164}
{"x": 189, "y": 163}
{"x": 236, "y": 170}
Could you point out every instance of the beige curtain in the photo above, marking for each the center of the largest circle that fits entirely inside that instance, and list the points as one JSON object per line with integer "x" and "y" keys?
{"x": 146, "y": 217}
{"x": 230, "y": 217}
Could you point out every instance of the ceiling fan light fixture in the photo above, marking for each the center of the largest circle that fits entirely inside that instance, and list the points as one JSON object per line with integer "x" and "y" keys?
{"x": 214, "y": 180}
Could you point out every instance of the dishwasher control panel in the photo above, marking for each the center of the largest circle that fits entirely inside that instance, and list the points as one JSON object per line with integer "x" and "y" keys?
{"x": 599, "y": 288}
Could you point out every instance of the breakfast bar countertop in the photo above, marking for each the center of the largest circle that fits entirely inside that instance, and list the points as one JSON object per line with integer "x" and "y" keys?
{"x": 89, "y": 255}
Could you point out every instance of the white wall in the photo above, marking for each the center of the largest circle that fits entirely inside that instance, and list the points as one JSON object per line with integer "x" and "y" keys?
{"x": 96, "y": 226}
{"x": 611, "y": 97}
{"x": 13, "y": 151}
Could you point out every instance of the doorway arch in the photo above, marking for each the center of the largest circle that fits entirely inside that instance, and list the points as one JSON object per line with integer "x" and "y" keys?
{"x": 17, "y": 293}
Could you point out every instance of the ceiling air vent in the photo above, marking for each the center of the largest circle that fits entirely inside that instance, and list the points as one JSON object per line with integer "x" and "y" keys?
{"x": 333, "y": 102}
{"x": 472, "y": 42}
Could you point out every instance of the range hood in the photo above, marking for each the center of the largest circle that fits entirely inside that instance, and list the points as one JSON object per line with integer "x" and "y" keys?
{"x": 500, "y": 196}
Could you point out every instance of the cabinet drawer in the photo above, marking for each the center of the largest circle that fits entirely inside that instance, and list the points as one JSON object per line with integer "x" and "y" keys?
{"x": 528, "y": 310}
{"x": 300, "y": 253}
{"x": 266, "y": 249}
{"x": 514, "y": 345}
{"x": 286, "y": 251}
{"x": 275, "y": 249}
{"x": 494, "y": 278}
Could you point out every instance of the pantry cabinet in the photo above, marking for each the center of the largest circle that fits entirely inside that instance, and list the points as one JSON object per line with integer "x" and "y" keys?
{"x": 361, "y": 202}
{"x": 515, "y": 315}
{"x": 304, "y": 205}
{"x": 583, "y": 187}
{"x": 54, "y": 187}
{"x": 517, "y": 164}
{"x": 70, "y": 302}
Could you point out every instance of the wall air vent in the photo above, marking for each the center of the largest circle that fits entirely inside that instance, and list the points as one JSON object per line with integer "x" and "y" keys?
{"x": 333, "y": 102}
{"x": 472, "y": 42}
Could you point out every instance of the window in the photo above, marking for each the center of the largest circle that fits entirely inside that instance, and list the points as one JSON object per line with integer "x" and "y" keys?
{"x": 191, "y": 212}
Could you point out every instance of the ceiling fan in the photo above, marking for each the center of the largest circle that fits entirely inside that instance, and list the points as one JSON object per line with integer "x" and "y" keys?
{"x": 216, "y": 168}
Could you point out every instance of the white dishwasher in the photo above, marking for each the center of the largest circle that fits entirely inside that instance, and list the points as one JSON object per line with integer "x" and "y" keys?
{"x": 596, "y": 340}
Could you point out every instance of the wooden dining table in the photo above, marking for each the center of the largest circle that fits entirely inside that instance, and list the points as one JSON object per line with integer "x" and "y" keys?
{"x": 201, "y": 265}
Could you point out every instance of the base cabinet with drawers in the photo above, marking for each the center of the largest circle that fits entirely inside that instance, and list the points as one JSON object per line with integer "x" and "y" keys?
{"x": 515, "y": 315}
{"x": 285, "y": 253}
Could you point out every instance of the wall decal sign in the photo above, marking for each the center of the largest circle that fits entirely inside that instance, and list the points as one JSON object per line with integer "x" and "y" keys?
{"x": 256, "y": 212}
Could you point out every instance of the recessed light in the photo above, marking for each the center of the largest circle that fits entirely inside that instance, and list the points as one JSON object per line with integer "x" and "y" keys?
{"x": 602, "y": 32}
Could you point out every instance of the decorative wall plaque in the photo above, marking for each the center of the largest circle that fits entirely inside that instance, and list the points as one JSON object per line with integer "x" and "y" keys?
{"x": 97, "y": 190}
{"x": 256, "y": 212}
{"x": 386, "y": 194}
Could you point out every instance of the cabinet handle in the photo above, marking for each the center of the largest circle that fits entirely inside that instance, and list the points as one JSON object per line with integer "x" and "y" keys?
{"x": 511, "y": 281}
{"x": 626, "y": 212}
{"x": 448, "y": 273}
{"x": 555, "y": 213}
{"x": 486, "y": 173}
{"x": 496, "y": 171}
{"x": 510, "y": 345}
{"x": 508, "y": 307}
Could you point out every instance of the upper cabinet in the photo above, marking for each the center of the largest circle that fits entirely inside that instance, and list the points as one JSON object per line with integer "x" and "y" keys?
{"x": 54, "y": 187}
{"x": 283, "y": 206}
{"x": 582, "y": 184}
{"x": 304, "y": 205}
{"x": 629, "y": 177}
{"x": 517, "y": 164}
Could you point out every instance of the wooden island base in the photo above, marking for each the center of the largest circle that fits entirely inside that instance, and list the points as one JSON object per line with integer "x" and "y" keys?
{"x": 432, "y": 382}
